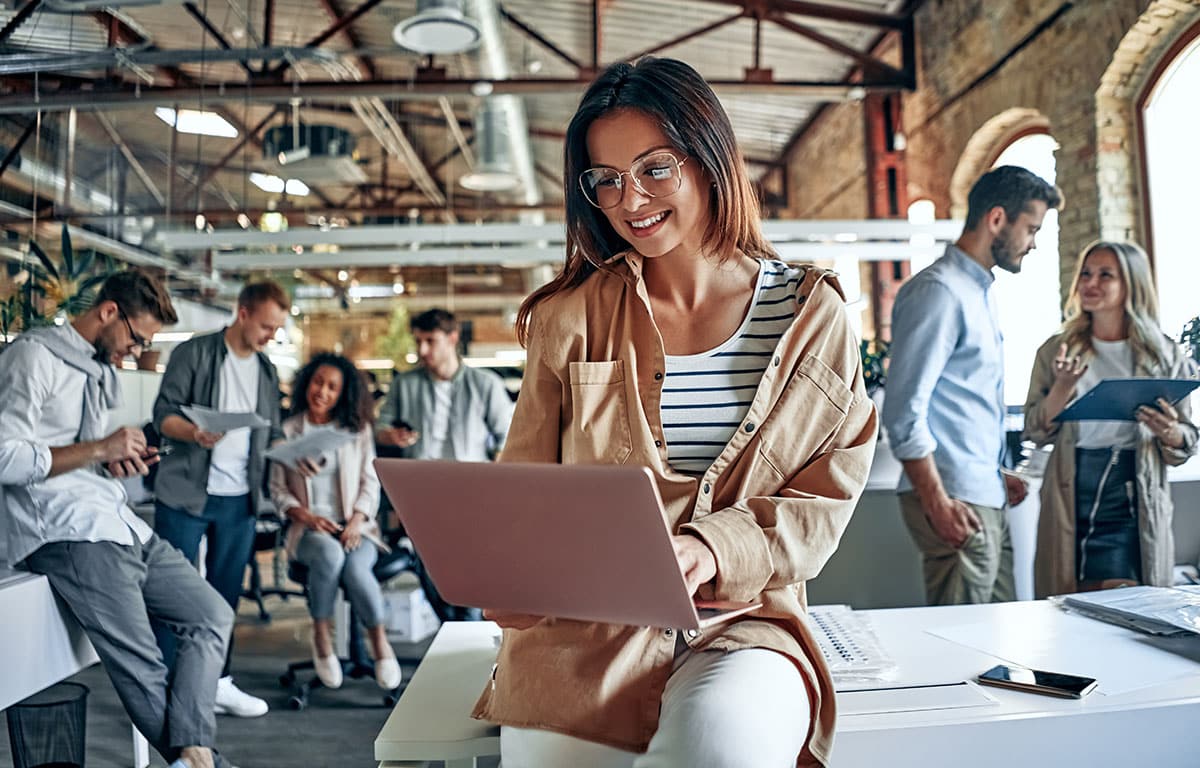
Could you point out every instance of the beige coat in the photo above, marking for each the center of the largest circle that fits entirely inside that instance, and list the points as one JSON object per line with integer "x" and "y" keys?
{"x": 356, "y": 479}
{"x": 771, "y": 508}
{"x": 1054, "y": 564}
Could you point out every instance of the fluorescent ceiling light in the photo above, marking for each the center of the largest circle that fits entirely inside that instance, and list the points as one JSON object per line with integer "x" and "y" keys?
{"x": 275, "y": 185}
{"x": 195, "y": 121}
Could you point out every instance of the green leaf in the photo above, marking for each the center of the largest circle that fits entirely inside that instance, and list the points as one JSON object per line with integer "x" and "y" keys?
{"x": 68, "y": 253}
{"x": 85, "y": 262}
{"x": 42, "y": 257}
{"x": 91, "y": 283}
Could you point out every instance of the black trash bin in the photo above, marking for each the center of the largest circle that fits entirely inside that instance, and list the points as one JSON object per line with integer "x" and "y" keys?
{"x": 47, "y": 730}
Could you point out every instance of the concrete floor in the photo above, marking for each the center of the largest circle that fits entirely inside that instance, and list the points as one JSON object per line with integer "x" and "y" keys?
{"x": 337, "y": 729}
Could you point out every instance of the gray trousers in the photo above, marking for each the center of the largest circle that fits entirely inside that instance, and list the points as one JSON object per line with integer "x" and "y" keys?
{"x": 113, "y": 590}
{"x": 980, "y": 571}
{"x": 330, "y": 566}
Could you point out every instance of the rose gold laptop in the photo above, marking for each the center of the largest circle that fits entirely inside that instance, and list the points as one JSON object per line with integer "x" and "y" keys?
{"x": 586, "y": 542}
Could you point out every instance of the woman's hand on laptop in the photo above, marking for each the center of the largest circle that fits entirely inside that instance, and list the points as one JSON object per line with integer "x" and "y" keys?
{"x": 697, "y": 561}
{"x": 511, "y": 620}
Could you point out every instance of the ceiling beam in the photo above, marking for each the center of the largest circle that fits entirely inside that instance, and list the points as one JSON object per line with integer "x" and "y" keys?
{"x": 829, "y": 12}
{"x": 539, "y": 38}
{"x": 338, "y": 26}
{"x": 214, "y": 33}
{"x": 130, "y": 158}
{"x": 393, "y": 90}
{"x": 366, "y": 66}
{"x": 688, "y": 36}
{"x": 20, "y": 18}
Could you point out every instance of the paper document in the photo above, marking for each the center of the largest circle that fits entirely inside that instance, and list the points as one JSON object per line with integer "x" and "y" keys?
{"x": 312, "y": 443}
{"x": 1118, "y": 399}
{"x": 221, "y": 421}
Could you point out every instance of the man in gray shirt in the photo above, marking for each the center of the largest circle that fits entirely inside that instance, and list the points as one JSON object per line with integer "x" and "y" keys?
{"x": 64, "y": 517}
{"x": 444, "y": 410}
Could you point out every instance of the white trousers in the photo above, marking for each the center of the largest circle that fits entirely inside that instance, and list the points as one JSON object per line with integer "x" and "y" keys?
{"x": 719, "y": 710}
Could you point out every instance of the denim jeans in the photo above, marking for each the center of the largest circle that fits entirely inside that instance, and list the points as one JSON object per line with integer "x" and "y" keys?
{"x": 228, "y": 522}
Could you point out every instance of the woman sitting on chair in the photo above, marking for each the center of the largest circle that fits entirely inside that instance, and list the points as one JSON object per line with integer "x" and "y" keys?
{"x": 331, "y": 502}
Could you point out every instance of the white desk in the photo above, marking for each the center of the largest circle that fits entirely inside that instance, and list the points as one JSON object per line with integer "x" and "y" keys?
{"x": 1151, "y": 726}
{"x": 42, "y": 644}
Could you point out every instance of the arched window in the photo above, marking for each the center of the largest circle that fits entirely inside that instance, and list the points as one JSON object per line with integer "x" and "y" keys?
{"x": 1029, "y": 304}
{"x": 1172, "y": 168}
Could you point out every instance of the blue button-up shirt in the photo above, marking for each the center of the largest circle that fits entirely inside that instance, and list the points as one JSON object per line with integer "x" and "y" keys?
{"x": 945, "y": 384}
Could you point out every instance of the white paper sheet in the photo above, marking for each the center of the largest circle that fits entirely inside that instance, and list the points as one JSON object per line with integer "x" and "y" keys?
{"x": 311, "y": 443}
{"x": 220, "y": 421}
{"x": 1121, "y": 660}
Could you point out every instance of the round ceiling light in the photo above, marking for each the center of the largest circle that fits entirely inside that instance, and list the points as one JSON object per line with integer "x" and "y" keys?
{"x": 439, "y": 26}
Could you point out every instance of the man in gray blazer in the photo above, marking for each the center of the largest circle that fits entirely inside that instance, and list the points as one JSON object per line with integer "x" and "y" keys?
{"x": 211, "y": 484}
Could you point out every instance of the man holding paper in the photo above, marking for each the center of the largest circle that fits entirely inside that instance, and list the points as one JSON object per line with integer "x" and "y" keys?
{"x": 211, "y": 484}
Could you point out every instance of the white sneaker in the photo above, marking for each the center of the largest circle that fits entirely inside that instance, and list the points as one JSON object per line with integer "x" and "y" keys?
{"x": 387, "y": 673}
{"x": 232, "y": 700}
{"x": 328, "y": 669}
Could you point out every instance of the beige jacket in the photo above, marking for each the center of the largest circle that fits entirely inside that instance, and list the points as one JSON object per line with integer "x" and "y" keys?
{"x": 1054, "y": 564}
{"x": 772, "y": 507}
{"x": 356, "y": 479}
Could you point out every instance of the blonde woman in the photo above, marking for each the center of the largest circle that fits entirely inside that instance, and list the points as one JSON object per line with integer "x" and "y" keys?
{"x": 1106, "y": 507}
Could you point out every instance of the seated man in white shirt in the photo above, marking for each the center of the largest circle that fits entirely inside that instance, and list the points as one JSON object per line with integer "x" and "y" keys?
{"x": 66, "y": 517}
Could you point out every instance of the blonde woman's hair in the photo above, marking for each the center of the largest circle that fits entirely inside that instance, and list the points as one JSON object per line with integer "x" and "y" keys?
{"x": 1141, "y": 304}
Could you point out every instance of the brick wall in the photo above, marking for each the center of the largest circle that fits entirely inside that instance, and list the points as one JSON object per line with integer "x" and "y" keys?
{"x": 1078, "y": 74}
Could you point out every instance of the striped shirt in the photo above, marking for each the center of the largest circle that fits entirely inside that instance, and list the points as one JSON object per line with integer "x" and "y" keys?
{"x": 705, "y": 396}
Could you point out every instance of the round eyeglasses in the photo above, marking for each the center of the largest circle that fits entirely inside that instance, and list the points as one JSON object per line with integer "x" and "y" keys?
{"x": 656, "y": 175}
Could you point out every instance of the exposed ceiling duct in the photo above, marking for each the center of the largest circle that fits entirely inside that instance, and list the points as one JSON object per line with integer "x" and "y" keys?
{"x": 493, "y": 64}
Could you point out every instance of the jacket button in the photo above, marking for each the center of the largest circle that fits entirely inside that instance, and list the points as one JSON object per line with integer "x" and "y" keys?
{"x": 749, "y": 426}
{"x": 658, "y": 375}
{"x": 777, "y": 361}
{"x": 692, "y": 634}
{"x": 658, "y": 443}
{"x": 707, "y": 487}
{"x": 669, "y": 633}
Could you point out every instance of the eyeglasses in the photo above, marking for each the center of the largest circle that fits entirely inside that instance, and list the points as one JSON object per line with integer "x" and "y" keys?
{"x": 138, "y": 341}
{"x": 656, "y": 175}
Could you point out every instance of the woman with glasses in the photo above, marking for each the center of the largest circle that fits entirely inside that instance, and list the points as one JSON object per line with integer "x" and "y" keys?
{"x": 331, "y": 502}
{"x": 674, "y": 339}
{"x": 1106, "y": 506}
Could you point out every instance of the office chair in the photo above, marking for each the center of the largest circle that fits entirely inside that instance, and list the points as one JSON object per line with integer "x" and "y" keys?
{"x": 350, "y": 645}
{"x": 268, "y": 536}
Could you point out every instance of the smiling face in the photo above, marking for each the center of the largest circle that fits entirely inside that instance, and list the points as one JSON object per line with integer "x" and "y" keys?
{"x": 653, "y": 226}
{"x": 121, "y": 335}
{"x": 324, "y": 389}
{"x": 1101, "y": 287}
{"x": 259, "y": 324}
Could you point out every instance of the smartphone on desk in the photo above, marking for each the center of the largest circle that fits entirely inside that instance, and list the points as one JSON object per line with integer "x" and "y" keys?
{"x": 1037, "y": 681}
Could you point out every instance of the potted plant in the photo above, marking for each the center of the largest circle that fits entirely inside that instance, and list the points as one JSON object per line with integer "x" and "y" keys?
{"x": 1190, "y": 338}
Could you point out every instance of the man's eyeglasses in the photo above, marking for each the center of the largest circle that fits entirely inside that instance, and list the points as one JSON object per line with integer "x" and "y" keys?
{"x": 656, "y": 175}
{"x": 138, "y": 340}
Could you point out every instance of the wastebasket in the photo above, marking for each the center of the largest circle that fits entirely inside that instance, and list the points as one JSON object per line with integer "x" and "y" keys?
{"x": 47, "y": 730}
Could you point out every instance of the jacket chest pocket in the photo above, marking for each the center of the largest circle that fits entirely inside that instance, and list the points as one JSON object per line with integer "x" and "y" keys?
{"x": 598, "y": 432}
{"x": 810, "y": 410}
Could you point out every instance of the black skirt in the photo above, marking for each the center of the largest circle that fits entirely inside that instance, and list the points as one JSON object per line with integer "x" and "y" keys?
{"x": 1106, "y": 523}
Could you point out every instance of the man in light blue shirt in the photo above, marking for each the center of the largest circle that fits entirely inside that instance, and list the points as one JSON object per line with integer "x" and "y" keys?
{"x": 944, "y": 406}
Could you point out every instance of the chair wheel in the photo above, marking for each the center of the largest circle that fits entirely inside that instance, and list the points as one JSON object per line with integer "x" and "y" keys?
{"x": 390, "y": 698}
{"x": 298, "y": 702}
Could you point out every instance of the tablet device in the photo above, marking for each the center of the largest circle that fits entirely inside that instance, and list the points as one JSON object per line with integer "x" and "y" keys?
{"x": 1118, "y": 399}
{"x": 587, "y": 542}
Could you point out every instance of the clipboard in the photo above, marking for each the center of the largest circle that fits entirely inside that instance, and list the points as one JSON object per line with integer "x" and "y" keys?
{"x": 1118, "y": 399}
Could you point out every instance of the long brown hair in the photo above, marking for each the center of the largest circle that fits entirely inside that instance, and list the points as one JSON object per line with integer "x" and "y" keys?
{"x": 1141, "y": 304}
{"x": 687, "y": 110}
